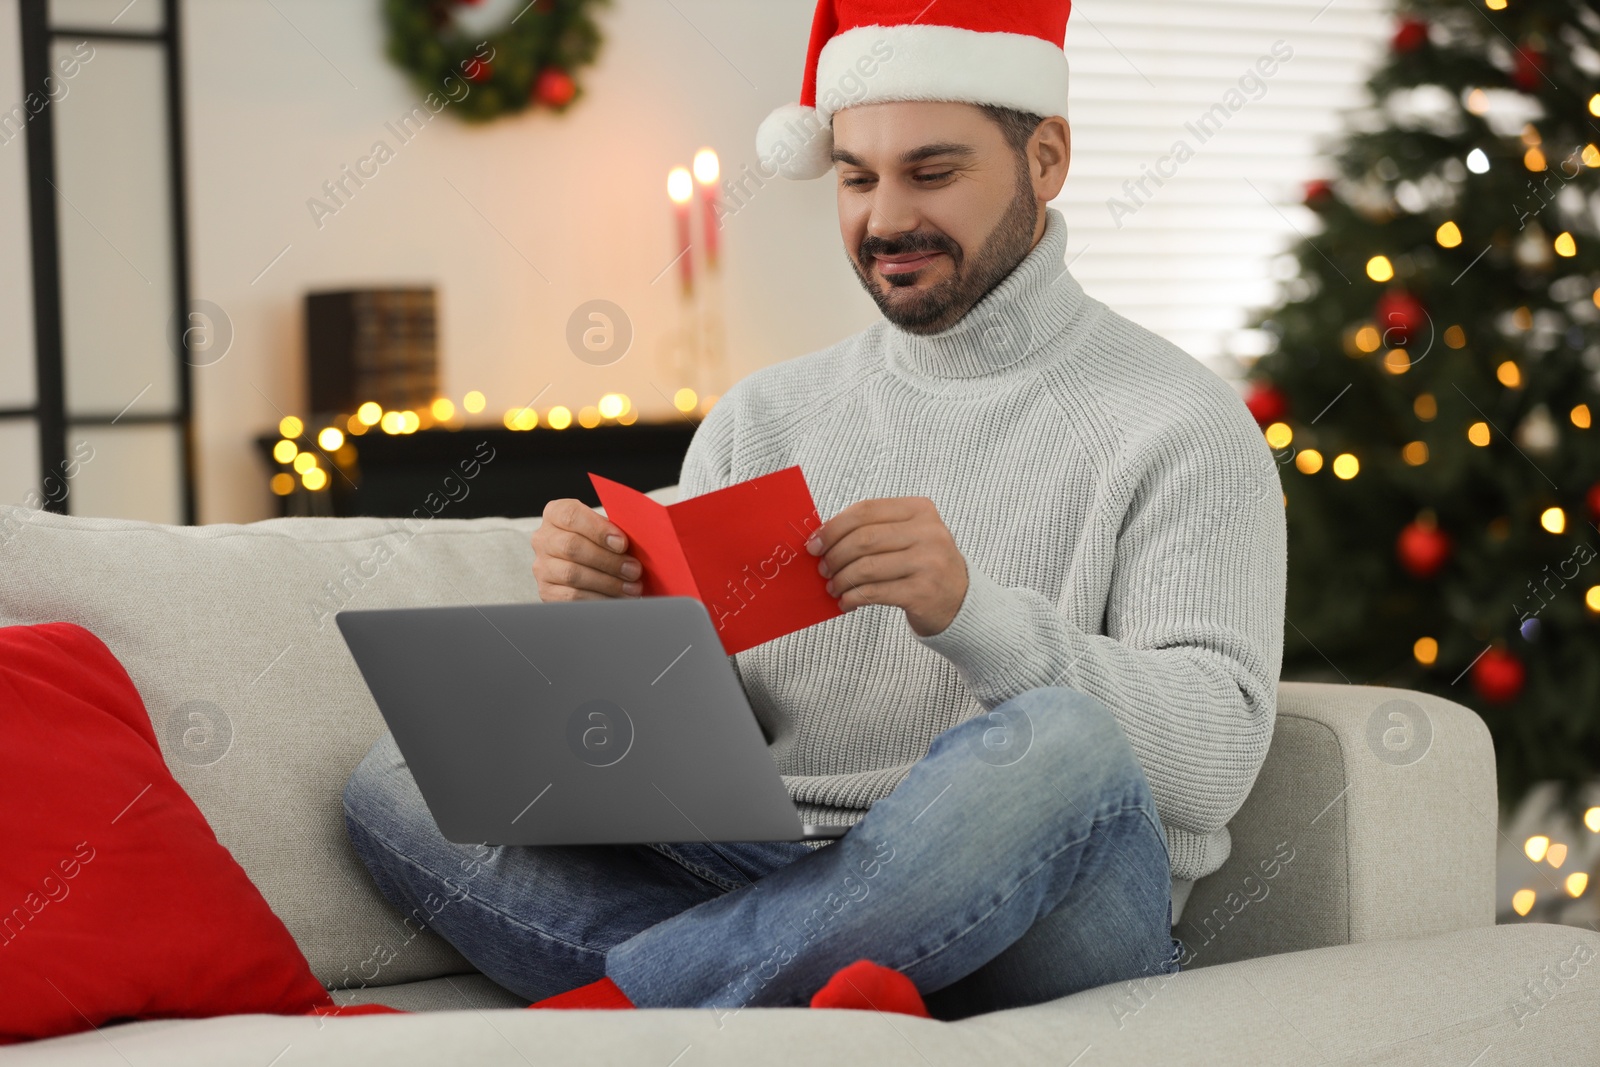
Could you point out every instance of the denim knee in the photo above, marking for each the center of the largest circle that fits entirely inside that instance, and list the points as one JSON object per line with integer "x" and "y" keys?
{"x": 380, "y": 793}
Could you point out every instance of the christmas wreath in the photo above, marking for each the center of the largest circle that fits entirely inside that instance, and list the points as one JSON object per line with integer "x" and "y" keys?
{"x": 529, "y": 61}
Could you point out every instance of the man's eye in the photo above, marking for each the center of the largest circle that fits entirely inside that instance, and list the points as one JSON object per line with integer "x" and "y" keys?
{"x": 852, "y": 182}
{"x": 933, "y": 177}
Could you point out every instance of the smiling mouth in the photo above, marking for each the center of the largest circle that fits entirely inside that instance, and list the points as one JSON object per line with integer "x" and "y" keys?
{"x": 908, "y": 263}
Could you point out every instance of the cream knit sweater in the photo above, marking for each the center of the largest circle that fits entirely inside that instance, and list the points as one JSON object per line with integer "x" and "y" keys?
{"x": 1122, "y": 523}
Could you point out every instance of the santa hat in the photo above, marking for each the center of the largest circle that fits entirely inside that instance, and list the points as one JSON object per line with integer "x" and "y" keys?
{"x": 1001, "y": 52}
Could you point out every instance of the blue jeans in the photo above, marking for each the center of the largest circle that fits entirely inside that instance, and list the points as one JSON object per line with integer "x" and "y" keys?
{"x": 1019, "y": 861}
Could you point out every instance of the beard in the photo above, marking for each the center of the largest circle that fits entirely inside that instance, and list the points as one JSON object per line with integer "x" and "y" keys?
{"x": 941, "y": 305}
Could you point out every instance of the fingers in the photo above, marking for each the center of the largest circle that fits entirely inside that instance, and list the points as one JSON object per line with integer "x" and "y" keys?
{"x": 866, "y": 513}
{"x": 866, "y": 541}
{"x": 572, "y": 560}
{"x": 881, "y": 567}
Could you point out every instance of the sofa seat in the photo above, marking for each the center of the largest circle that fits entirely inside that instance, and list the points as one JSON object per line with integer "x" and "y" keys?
{"x": 1450, "y": 1000}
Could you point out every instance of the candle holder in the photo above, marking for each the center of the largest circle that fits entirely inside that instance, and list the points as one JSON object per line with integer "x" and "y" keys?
{"x": 694, "y": 353}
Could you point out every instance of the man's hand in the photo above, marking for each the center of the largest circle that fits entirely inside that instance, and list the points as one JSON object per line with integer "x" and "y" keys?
{"x": 893, "y": 551}
{"x": 578, "y": 555}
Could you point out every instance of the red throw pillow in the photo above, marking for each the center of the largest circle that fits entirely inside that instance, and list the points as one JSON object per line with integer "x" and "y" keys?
{"x": 116, "y": 899}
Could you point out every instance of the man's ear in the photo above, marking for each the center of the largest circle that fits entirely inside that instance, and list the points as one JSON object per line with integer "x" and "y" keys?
{"x": 1049, "y": 156}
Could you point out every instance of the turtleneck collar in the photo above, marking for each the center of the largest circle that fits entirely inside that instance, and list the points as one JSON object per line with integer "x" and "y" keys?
{"x": 1002, "y": 336}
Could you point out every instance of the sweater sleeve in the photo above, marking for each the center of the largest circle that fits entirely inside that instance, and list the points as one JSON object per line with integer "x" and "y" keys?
{"x": 1193, "y": 637}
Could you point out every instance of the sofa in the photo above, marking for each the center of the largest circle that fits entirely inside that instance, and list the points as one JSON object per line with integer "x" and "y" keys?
{"x": 1352, "y": 924}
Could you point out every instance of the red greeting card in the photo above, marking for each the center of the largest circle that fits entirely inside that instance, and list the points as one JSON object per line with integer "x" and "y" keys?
{"x": 740, "y": 551}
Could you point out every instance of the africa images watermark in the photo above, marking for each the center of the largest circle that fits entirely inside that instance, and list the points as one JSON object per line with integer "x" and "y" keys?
{"x": 338, "y": 191}
{"x": 14, "y": 121}
{"x": 1206, "y": 126}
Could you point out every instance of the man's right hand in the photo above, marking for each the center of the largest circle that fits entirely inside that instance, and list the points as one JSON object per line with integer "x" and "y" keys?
{"x": 578, "y": 555}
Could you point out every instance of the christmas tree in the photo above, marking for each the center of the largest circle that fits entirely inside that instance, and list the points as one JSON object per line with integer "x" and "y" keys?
{"x": 1434, "y": 377}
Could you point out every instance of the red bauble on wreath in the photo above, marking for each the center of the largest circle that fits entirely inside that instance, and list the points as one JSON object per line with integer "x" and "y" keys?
{"x": 1423, "y": 549}
{"x": 1498, "y": 676}
{"x": 1528, "y": 71}
{"x": 1400, "y": 316}
{"x": 1319, "y": 193}
{"x": 1411, "y": 35}
{"x": 1267, "y": 403}
{"x": 1593, "y": 500}
{"x": 554, "y": 88}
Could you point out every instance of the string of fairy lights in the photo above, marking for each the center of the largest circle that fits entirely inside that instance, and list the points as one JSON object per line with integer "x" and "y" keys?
{"x": 1539, "y": 848}
{"x": 305, "y": 454}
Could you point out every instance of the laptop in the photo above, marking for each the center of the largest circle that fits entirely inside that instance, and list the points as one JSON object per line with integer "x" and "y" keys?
{"x": 588, "y": 722}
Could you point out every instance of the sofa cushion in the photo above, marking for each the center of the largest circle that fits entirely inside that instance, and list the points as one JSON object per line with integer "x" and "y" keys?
{"x": 1442, "y": 1001}
{"x": 125, "y": 904}
{"x": 227, "y": 632}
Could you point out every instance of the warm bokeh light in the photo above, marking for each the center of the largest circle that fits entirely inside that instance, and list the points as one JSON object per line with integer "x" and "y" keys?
{"x": 283, "y": 483}
{"x": 1554, "y": 520}
{"x": 1580, "y": 416}
{"x": 1478, "y": 102}
{"x": 1346, "y": 466}
{"x": 1379, "y": 269}
{"x": 1478, "y": 433}
{"x": 588, "y": 416}
{"x": 474, "y": 402}
{"x": 1415, "y": 453}
{"x": 285, "y": 451}
{"x": 1591, "y": 819}
{"x": 1426, "y": 407}
{"x": 330, "y": 438}
{"x": 706, "y": 167}
{"x": 1455, "y": 337}
{"x": 393, "y": 422}
{"x": 304, "y": 462}
{"x": 1495, "y": 5}
{"x": 1556, "y": 855}
{"x": 1448, "y": 235}
{"x": 558, "y": 418}
{"x": 521, "y": 419}
{"x": 1510, "y": 374}
{"x": 1279, "y": 435}
{"x": 1308, "y": 460}
{"x": 1533, "y": 159}
{"x": 1426, "y": 650}
{"x": 1591, "y": 155}
{"x": 369, "y": 413}
{"x": 314, "y": 479}
{"x": 1577, "y": 882}
{"x": 685, "y": 399}
{"x": 289, "y": 426}
{"x": 628, "y": 418}
{"x": 1566, "y": 246}
{"x": 1368, "y": 339}
{"x": 1591, "y": 599}
{"x": 1397, "y": 361}
{"x": 409, "y": 421}
{"x": 443, "y": 409}
{"x": 1594, "y": 105}
{"x": 611, "y": 405}
{"x": 680, "y": 186}
{"x": 1536, "y": 846}
{"x": 1522, "y": 900}
{"x": 354, "y": 426}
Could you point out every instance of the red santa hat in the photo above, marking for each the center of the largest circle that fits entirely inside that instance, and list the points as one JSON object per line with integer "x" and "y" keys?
{"x": 1002, "y": 52}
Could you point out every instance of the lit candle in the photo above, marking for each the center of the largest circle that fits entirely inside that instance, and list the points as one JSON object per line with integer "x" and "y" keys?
{"x": 706, "y": 170}
{"x": 680, "y": 187}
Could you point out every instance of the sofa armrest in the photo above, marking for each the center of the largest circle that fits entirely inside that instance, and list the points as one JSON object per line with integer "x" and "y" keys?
{"x": 1373, "y": 818}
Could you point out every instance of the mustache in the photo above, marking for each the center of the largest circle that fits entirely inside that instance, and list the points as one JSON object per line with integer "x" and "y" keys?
{"x": 910, "y": 242}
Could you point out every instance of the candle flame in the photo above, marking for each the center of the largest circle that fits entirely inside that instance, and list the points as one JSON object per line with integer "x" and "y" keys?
{"x": 679, "y": 185}
{"x": 706, "y": 167}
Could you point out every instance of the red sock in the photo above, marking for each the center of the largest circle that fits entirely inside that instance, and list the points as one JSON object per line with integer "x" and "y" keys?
{"x": 602, "y": 994}
{"x": 867, "y": 985}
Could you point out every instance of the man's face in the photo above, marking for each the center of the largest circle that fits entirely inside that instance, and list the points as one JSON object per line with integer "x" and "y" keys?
{"x": 934, "y": 206}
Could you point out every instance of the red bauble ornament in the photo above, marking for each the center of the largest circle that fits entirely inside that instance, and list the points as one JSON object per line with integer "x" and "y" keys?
{"x": 1266, "y": 402}
{"x": 1594, "y": 501}
{"x": 477, "y": 70}
{"x": 1399, "y": 316}
{"x": 1423, "y": 549}
{"x": 1528, "y": 73}
{"x": 1498, "y": 676}
{"x": 1319, "y": 191}
{"x": 1410, "y": 36}
{"x": 554, "y": 88}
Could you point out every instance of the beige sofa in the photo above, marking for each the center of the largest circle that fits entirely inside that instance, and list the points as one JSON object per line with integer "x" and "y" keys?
{"x": 1353, "y": 924}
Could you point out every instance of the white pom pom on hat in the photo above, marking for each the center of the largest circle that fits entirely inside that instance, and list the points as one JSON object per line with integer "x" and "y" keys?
{"x": 1002, "y": 52}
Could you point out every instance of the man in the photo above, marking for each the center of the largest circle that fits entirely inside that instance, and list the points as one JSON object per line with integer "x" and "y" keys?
{"x": 1059, "y": 545}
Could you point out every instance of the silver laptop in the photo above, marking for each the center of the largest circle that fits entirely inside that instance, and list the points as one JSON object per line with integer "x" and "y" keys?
{"x": 574, "y": 723}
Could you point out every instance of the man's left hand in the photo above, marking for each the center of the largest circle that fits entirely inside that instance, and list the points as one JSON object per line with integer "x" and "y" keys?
{"x": 894, "y": 551}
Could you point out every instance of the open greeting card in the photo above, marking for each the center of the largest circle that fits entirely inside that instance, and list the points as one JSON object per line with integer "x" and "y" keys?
{"x": 739, "y": 550}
